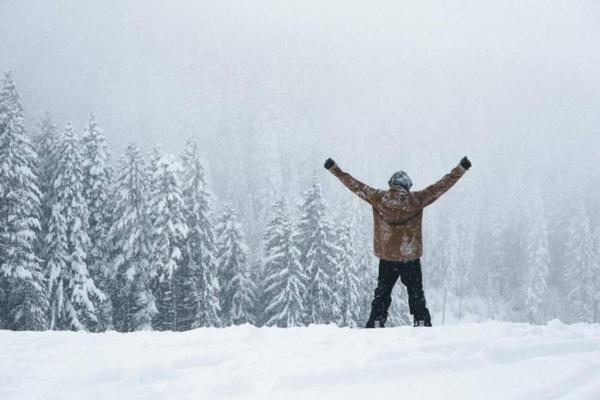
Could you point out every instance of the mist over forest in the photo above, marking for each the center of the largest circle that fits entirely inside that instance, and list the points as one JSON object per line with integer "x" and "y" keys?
{"x": 269, "y": 89}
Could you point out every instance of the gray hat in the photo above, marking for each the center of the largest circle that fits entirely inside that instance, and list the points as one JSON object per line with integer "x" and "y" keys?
{"x": 400, "y": 179}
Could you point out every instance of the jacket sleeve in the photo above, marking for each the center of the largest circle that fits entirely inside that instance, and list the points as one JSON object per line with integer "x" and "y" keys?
{"x": 431, "y": 193}
{"x": 362, "y": 190}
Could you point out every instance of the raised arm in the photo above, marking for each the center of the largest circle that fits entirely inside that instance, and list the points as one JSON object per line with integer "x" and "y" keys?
{"x": 433, "y": 192}
{"x": 362, "y": 190}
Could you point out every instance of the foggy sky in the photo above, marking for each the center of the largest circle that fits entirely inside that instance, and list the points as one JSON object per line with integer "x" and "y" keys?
{"x": 377, "y": 85}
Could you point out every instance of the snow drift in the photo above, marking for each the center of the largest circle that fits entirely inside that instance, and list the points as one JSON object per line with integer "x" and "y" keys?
{"x": 491, "y": 360}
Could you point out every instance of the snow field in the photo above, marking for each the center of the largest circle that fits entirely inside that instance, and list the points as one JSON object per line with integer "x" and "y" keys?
{"x": 489, "y": 360}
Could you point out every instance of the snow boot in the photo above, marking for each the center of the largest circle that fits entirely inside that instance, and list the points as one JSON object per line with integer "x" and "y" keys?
{"x": 375, "y": 324}
{"x": 421, "y": 323}
{"x": 422, "y": 319}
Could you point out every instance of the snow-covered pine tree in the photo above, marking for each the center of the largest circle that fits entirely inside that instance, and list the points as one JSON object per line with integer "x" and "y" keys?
{"x": 74, "y": 297}
{"x": 318, "y": 256}
{"x": 237, "y": 287}
{"x": 537, "y": 262}
{"x": 133, "y": 302}
{"x": 256, "y": 275}
{"x": 23, "y": 301}
{"x": 284, "y": 276}
{"x": 45, "y": 144}
{"x": 346, "y": 277}
{"x": 580, "y": 271}
{"x": 153, "y": 156}
{"x": 168, "y": 235}
{"x": 263, "y": 269}
{"x": 200, "y": 250}
{"x": 96, "y": 186}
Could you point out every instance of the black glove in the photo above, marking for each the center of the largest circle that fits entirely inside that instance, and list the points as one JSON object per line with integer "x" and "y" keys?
{"x": 465, "y": 163}
{"x": 329, "y": 163}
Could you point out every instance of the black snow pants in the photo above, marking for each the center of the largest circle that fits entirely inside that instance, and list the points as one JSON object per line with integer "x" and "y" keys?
{"x": 410, "y": 274}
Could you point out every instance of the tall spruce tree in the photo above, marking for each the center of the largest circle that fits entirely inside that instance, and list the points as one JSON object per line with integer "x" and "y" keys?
{"x": 23, "y": 301}
{"x": 580, "y": 271}
{"x": 318, "y": 255}
{"x": 168, "y": 235}
{"x": 74, "y": 297}
{"x": 264, "y": 269}
{"x": 153, "y": 156}
{"x": 237, "y": 287}
{"x": 96, "y": 187}
{"x": 134, "y": 305}
{"x": 346, "y": 277}
{"x": 284, "y": 275}
{"x": 200, "y": 250}
{"x": 537, "y": 262}
{"x": 45, "y": 144}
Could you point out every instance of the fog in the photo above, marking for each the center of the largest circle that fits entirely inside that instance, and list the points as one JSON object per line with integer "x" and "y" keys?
{"x": 270, "y": 89}
{"x": 378, "y": 86}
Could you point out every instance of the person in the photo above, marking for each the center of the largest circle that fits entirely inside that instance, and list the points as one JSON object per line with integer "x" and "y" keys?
{"x": 397, "y": 239}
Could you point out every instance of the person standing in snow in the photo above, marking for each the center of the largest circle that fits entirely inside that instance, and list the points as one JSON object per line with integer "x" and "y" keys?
{"x": 397, "y": 216}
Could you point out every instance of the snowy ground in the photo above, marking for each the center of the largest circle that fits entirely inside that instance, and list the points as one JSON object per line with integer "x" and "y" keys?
{"x": 469, "y": 361}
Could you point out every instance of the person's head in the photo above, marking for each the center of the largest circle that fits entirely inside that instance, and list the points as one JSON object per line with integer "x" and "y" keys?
{"x": 400, "y": 179}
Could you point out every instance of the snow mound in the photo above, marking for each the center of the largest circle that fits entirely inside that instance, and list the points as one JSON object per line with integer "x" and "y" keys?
{"x": 491, "y": 360}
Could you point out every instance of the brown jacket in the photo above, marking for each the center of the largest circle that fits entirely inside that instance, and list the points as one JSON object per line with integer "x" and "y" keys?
{"x": 398, "y": 213}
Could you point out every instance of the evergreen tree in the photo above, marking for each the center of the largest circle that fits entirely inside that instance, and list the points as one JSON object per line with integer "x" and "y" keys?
{"x": 200, "y": 249}
{"x": 537, "y": 263}
{"x": 263, "y": 268}
{"x": 154, "y": 156}
{"x": 318, "y": 255}
{"x": 284, "y": 274}
{"x": 23, "y": 302}
{"x": 580, "y": 271}
{"x": 169, "y": 232}
{"x": 74, "y": 296}
{"x": 96, "y": 187}
{"x": 346, "y": 278}
{"x": 186, "y": 286}
{"x": 45, "y": 144}
{"x": 237, "y": 287}
{"x": 134, "y": 305}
